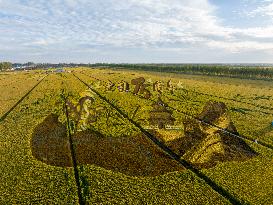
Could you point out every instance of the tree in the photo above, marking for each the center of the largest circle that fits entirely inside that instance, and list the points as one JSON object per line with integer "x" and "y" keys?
{"x": 5, "y": 66}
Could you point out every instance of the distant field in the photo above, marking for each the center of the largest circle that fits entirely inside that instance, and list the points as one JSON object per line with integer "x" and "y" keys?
{"x": 26, "y": 180}
{"x": 14, "y": 86}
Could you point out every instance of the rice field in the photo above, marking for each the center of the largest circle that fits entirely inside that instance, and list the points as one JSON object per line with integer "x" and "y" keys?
{"x": 108, "y": 179}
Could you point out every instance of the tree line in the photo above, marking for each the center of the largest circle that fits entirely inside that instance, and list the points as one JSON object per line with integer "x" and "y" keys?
{"x": 225, "y": 70}
{"x": 5, "y": 66}
{"x": 253, "y": 71}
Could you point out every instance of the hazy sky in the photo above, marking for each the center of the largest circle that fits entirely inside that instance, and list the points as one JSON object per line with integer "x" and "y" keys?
{"x": 137, "y": 31}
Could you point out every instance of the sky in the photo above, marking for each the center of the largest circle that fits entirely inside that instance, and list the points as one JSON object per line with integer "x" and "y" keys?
{"x": 136, "y": 31}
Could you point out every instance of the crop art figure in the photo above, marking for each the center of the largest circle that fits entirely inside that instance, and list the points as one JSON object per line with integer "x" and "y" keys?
{"x": 160, "y": 115}
{"x": 158, "y": 87}
{"x": 123, "y": 86}
{"x": 141, "y": 87}
{"x": 109, "y": 85}
{"x": 82, "y": 113}
{"x": 76, "y": 110}
{"x": 170, "y": 86}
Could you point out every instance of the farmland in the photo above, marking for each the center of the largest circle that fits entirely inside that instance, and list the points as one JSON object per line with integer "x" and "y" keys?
{"x": 28, "y": 180}
{"x": 14, "y": 86}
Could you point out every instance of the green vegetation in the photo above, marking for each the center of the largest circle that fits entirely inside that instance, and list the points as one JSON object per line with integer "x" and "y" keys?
{"x": 5, "y": 66}
{"x": 236, "y": 71}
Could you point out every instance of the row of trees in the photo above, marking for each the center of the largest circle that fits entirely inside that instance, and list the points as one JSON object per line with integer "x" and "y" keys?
{"x": 5, "y": 66}
{"x": 241, "y": 71}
